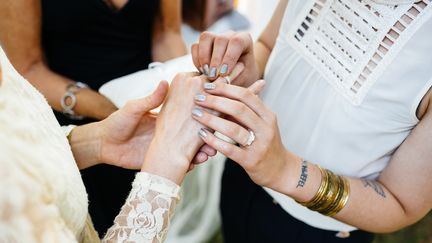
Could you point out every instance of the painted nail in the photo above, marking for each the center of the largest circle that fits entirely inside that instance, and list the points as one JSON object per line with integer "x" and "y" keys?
{"x": 202, "y": 132}
{"x": 197, "y": 112}
{"x": 209, "y": 86}
{"x": 206, "y": 69}
{"x": 212, "y": 72}
{"x": 200, "y": 97}
{"x": 224, "y": 69}
{"x": 201, "y": 70}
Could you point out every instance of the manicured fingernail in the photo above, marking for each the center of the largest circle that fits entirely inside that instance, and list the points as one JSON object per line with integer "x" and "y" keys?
{"x": 206, "y": 69}
{"x": 209, "y": 86}
{"x": 202, "y": 132}
{"x": 201, "y": 70}
{"x": 224, "y": 69}
{"x": 200, "y": 97}
{"x": 212, "y": 72}
{"x": 197, "y": 112}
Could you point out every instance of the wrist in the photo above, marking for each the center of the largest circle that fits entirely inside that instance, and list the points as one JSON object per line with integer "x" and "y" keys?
{"x": 92, "y": 104}
{"x": 166, "y": 162}
{"x": 299, "y": 179}
{"x": 85, "y": 142}
{"x": 69, "y": 100}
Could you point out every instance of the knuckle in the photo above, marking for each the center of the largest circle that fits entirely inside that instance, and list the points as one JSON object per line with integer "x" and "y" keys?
{"x": 206, "y": 36}
{"x": 221, "y": 40}
{"x": 248, "y": 36}
{"x": 237, "y": 40}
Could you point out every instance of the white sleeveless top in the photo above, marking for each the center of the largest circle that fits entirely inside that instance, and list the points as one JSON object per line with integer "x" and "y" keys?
{"x": 345, "y": 79}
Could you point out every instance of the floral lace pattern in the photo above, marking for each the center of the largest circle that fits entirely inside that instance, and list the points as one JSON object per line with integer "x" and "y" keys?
{"x": 146, "y": 214}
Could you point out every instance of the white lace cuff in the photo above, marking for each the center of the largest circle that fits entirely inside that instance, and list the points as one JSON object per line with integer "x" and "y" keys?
{"x": 146, "y": 214}
{"x": 157, "y": 184}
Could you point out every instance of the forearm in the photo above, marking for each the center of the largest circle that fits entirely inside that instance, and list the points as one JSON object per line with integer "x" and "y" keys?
{"x": 262, "y": 54}
{"x": 267, "y": 40}
{"x": 53, "y": 87}
{"x": 85, "y": 142}
{"x": 168, "y": 45}
{"x": 371, "y": 206}
{"x": 168, "y": 42}
{"x": 20, "y": 36}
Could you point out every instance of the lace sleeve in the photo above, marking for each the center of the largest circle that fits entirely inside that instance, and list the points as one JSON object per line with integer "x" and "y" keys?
{"x": 146, "y": 214}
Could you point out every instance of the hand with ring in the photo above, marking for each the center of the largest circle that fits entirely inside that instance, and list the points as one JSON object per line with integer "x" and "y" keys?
{"x": 252, "y": 125}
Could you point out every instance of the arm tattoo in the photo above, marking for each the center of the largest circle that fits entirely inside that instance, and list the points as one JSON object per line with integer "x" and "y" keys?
{"x": 303, "y": 175}
{"x": 374, "y": 185}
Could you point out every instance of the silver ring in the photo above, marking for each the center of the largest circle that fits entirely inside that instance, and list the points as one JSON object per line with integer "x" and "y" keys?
{"x": 227, "y": 79}
{"x": 224, "y": 138}
{"x": 251, "y": 138}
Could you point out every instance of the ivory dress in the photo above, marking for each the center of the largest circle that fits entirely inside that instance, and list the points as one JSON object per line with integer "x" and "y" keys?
{"x": 42, "y": 196}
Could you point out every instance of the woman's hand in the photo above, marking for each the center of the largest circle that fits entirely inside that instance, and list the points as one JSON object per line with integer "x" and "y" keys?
{"x": 127, "y": 133}
{"x": 217, "y": 55}
{"x": 176, "y": 139}
{"x": 266, "y": 157}
{"x": 124, "y": 137}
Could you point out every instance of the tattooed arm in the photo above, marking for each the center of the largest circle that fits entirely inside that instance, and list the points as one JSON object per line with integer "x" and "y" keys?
{"x": 401, "y": 195}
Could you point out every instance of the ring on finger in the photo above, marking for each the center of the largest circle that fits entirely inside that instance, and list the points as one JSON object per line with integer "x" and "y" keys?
{"x": 251, "y": 138}
{"x": 224, "y": 138}
{"x": 227, "y": 79}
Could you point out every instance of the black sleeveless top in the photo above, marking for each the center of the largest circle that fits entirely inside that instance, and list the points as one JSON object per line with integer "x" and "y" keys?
{"x": 87, "y": 41}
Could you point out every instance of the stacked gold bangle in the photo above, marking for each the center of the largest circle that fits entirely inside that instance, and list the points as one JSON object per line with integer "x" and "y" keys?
{"x": 332, "y": 195}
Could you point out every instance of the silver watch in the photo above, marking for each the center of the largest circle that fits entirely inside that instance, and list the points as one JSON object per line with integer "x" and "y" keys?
{"x": 69, "y": 100}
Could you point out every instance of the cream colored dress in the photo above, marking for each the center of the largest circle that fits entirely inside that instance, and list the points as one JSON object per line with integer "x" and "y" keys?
{"x": 42, "y": 196}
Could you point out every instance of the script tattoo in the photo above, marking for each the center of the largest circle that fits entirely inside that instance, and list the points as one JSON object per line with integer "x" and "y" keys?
{"x": 374, "y": 185}
{"x": 303, "y": 175}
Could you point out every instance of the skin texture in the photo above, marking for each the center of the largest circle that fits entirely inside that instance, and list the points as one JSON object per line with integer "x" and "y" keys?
{"x": 399, "y": 197}
{"x": 21, "y": 38}
{"x": 176, "y": 140}
{"x": 123, "y": 138}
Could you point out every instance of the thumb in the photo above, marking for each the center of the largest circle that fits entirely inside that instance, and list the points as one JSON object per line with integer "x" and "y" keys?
{"x": 158, "y": 96}
{"x": 258, "y": 86}
{"x": 141, "y": 106}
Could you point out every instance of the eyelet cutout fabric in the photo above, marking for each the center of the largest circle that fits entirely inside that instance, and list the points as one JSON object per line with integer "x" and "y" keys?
{"x": 350, "y": 41}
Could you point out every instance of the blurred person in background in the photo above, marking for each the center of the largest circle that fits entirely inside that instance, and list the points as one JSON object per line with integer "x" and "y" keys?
{"x": 68, "y": 49}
